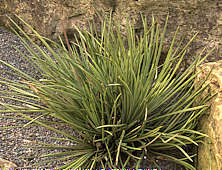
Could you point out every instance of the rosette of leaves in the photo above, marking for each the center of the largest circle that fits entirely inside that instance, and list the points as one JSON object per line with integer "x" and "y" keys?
{"x": 114, "y": 94}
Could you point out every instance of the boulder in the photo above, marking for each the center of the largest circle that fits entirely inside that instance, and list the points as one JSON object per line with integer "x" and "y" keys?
{"x": 4, "y": 164}
{"x": 210, "y": 153}
{"x": 52, "y": 17}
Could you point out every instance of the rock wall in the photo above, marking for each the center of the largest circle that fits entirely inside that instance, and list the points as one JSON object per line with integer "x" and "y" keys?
{"x": 210, "y": 153}
{"x": 51, "y": 17}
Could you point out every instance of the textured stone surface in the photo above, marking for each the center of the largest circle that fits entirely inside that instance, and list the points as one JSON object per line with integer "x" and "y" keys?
{"x": 210, "y": 154}
{"x": 51, "y": 17}
{"x": 6, "y": 164}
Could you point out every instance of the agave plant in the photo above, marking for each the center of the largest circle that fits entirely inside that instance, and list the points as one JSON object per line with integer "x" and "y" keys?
{"x": 112, "y": 91}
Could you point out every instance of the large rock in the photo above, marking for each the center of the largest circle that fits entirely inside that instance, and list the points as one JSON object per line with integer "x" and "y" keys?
{"x": 52, "y": 17}
{"x": 210, "y": 153}
{"x": 4, "y": 164}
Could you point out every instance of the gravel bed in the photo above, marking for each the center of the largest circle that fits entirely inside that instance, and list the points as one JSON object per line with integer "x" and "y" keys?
{"x": 14, "y": 141}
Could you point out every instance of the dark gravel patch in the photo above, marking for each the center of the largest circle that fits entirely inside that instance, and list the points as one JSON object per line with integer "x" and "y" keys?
{"x": 14, "y": 141}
